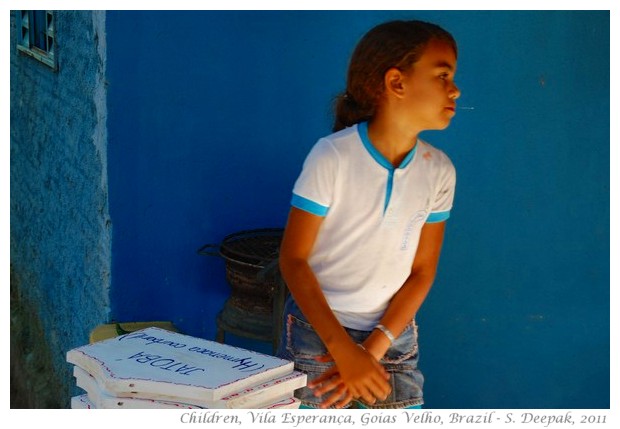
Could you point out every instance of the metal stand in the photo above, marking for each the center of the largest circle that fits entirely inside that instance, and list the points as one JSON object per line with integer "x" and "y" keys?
{"x": 256, "y": 325}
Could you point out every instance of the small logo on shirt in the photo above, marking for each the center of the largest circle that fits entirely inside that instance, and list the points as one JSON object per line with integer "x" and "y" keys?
{"x": 414, "y": 220}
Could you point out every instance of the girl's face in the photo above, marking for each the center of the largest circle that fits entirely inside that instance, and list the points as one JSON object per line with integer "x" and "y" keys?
{"x": 430, "y": 93}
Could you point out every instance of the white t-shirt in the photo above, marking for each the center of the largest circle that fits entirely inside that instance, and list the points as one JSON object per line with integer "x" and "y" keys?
{"x": 373, "y": 216}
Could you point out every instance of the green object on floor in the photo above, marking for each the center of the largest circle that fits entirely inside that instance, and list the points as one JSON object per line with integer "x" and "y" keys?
{"x": 110, "y": 330}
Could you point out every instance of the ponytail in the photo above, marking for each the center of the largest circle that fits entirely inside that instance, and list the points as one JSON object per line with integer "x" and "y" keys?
{"x": 349, "y": 112}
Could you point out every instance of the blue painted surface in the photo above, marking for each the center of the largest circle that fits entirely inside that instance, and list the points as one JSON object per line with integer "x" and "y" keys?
{"x": 212, "y": 113}
{"x": 60, "y": 230}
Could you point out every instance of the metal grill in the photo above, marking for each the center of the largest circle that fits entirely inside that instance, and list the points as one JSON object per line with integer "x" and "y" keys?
{"x": 251, "y": 271}
{"x": 255, "y": 247}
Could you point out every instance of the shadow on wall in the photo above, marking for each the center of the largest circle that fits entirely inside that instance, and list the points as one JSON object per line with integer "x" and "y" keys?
{"x": 33, "y": 381}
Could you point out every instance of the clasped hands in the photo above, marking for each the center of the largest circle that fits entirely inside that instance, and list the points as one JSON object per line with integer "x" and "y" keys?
{"x": 360, "y": 377}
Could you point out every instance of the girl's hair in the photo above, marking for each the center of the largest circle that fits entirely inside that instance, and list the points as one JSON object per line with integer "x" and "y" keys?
{"x": 392, "y": 44}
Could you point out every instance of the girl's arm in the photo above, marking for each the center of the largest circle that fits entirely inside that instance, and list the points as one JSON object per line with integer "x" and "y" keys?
{"x": 407, "y": 301}
{"x": 357, "y": 373}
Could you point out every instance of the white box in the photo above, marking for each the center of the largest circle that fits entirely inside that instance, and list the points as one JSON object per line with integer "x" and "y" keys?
{"x": 158, "y": 364}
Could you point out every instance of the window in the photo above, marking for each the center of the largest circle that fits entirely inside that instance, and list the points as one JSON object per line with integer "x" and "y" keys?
{"x": 36, "y": 35}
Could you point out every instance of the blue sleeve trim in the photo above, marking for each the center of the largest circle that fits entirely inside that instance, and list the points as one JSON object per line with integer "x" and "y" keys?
{"x": 438, "y": 217}
{"x": 309, "y": 205}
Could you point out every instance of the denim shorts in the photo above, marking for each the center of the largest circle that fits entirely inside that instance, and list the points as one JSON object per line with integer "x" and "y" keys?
{"x": 301, "y": 344}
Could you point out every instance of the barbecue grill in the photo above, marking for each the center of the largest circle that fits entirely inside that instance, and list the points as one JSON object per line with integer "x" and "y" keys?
{"x": 254, "y": 307}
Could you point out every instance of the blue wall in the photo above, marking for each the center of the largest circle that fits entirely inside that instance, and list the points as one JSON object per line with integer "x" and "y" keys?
{"x": 212, "y": 113}
{"x": 60, "y": 234}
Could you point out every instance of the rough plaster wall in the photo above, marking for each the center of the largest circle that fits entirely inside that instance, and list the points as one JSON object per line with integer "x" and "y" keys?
{"x": 60, "y": 226}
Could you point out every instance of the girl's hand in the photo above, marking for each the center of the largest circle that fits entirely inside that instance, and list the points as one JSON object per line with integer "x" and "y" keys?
{"x": 360, "y": 377}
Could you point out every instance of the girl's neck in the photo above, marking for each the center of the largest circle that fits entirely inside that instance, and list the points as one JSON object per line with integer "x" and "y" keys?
{"x": 391, "y": 139}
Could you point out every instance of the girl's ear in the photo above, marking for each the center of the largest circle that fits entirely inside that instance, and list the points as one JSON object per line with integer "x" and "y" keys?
{"x": 393, "y": 81}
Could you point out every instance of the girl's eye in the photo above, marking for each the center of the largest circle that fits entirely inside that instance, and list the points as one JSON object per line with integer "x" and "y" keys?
{"x": 443, "y": 76}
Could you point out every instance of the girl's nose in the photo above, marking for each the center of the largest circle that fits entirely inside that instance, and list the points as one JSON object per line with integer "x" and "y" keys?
{"x": 455, "y": 92}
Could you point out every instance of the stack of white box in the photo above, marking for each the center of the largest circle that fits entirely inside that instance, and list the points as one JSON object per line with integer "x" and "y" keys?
{"x": 155, "y": 368}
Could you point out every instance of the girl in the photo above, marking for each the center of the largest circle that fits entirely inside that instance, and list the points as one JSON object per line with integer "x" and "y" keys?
{"x": 364, "y": 233}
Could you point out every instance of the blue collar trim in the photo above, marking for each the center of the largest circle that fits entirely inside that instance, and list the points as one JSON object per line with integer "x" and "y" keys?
{"x": 362, "y": 129}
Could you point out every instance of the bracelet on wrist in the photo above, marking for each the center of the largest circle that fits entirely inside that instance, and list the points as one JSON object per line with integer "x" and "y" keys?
{"x": 386, "y": 332}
